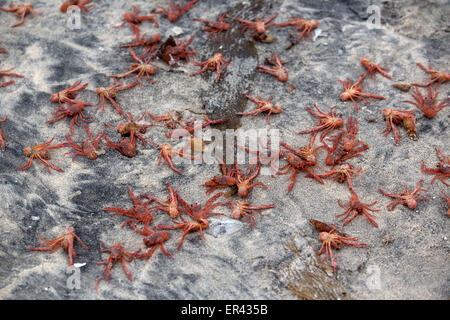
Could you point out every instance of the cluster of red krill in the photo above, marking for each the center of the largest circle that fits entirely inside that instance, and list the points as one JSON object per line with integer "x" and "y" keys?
{"x": 193, "y": 217}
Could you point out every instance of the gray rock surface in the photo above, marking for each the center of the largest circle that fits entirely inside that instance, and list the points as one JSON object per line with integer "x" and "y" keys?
{"x": 408, "y": 256}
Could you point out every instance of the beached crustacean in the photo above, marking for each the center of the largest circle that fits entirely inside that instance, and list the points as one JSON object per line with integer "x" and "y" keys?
{"x": 88, "y": 148}
{"x": 41, "y": 152}
{"x": 305, "y": 26}
{"x": 296, "y": 162}
{"x": 428, "y": 105}
{"x": 139, "y": 213}
{"x": 447, "y": 198}
{"x": 153, "y": 240}
{"x": 171, "y": 206}
{"x": 258, "y": 25}
{"x": 2, "y": 136}
{"x": 64, "y": 241}
{"x": 81, "y": 4}
{"x": 407, "y": 198}
{"x": 436, "y": 76}
{"x": 354, "y": 91}
{"x": 126, "y": 146}
{"x": 395, "y": 117}
{"x": 21, "y": 11}
{"x": 327, "y": 122}
{"x": 331, "y": 241}
{"x": 110, "y": 93}
{"x": 74, "y": 110}
{"x": 217, "y": 62}
{"x": 133, "y": 18}
{"x": 117, "y": 254}
{"x": 173, "y": 51}
{"x": 175, "y": 10}
{"x": 262, "y": 106}
{"x": 68, "y": 95}
{"x": 278, "y": 71}
{"x": 167, "y": 152}
{"x": 342, "y": 174}
{"x": 214, "y": 27}
{"x": 373, "y": 68}
{"x": 442, "y": 171}
{"x": 357, "y": 207}
{"x": 7, "y": 73}
{"x": 135, "y": 129}
{"x": 243, "y": 209}
{"x": 143, "y": 67}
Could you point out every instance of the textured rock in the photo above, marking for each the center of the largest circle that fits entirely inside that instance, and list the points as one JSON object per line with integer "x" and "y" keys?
{"x": 235, "y": 262}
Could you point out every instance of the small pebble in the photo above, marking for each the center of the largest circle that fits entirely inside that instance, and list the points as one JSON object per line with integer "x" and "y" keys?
{"x": 177, "y": 31}
{"x": 317, "y": 33}
{"x": 79, "y": 265}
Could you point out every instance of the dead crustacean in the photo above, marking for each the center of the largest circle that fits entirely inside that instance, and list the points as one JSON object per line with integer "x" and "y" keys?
{"x": 327, "y": 122}
{"x": 305, "y": 26}
{"x": 2, "y": 136}
{"x": 64, "y": 241}
{"x": 68, "y": 95}
{"x": 110, "y": 93}
{"x": 21, "y": 11}
{"x": 217, "y": 62}
{"x": 135, "y": 129}
{"x": 357, "y": 207}
{"x": 331, "y": 241}
{"x": 139, "y": 213}
{"x": 258, "y": 25}
{"x": 428, "y": 105}
{"x": 170, "y": 206}
{"x": 214, "y": 27}
{"x": 395, "y": 117}
{"x": 167, "y": 152}
{"x": 117, "y": 253}
{"x": 153, "y": 240}
{"x": 172, "y": 51}
{"x": 298, "y": 161}
{"x": 341, "y": 174}
{"x": 278, "y": 71}
{"x": 262, "y": 106}
{"x": 41, "y": 152}
{"x": 143, "y": 67}
{"x": 7, "y": 73}
{"x": 88, "y": 148}
{"x": 126, "y": 146}
{"x": 373, "y": 68}
{"x": 243, "y": 209}
{"x": 446, "y": 198}
{"x": 442, "y": 171}
{"x": 175, "y": 10}
{"x": 354, "y": 91}
{"x": 3, "y": 50}
{"x": 407, "y": 198}
{"x": 133, "y": 18}
{"x": 81, "y": 4}
{"x": 198, "y": 213}
{"x": 436, "y": 76}
{"x": 74, "y": 110}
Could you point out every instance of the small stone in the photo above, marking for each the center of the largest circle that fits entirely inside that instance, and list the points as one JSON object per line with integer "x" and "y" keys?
{"x": 222, "y": 227}
{"x": 387, "y": 239}
{"x": 79, "y": 265}
{"x": 317, "y": 33}
{"x": 177, "y": 31}
{"x": 402, "y": 86}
